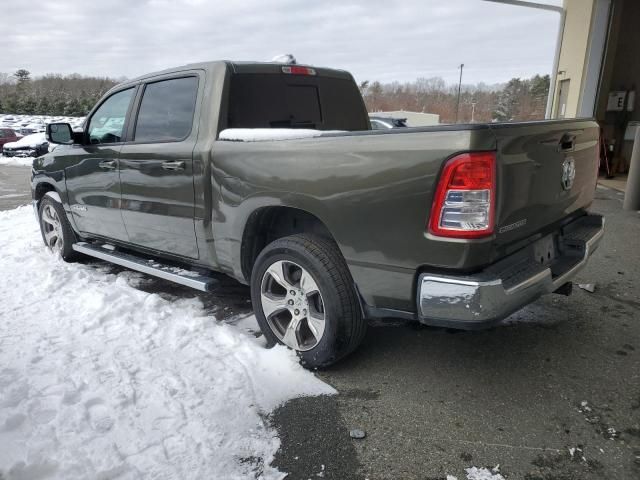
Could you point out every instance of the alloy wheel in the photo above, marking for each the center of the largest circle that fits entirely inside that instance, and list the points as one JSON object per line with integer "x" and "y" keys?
{"x": 52, "y": 228}
{"x": 293, "y": 305}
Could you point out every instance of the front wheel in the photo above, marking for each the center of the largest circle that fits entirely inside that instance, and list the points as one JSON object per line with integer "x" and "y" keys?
{"x": 304, "y": 298}
{"x": 57, "y": 234}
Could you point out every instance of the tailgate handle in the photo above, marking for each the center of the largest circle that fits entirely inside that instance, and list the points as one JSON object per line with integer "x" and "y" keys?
{"x": 567, "y": 142}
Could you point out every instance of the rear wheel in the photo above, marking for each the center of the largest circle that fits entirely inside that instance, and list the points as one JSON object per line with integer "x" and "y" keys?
{"x": 57, "y": 234}
{"x": 304, "y": 298}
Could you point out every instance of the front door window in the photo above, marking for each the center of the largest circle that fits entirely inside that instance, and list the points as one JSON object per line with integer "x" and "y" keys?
{"x": 107, "y": 123}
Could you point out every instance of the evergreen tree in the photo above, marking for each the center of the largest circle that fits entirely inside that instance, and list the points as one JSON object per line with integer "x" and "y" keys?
{"x": 44, "y": 105}
{"x": 28, "y": 105}
{"x": 73, "y": 108}
{"x": 22, "y": 76}
{"x": 509, "y": 101}
{"x": 11, "y": 104}
{"x": 58, "y": 105}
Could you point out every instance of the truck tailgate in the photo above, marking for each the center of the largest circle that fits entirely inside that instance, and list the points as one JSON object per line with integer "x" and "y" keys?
{"x": 547, "y": 173}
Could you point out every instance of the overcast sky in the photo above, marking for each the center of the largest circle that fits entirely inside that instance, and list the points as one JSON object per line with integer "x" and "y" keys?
{"x": 382, "y": 40}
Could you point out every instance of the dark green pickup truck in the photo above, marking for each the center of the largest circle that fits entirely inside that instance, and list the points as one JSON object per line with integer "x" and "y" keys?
{"x": 271, "y": 174}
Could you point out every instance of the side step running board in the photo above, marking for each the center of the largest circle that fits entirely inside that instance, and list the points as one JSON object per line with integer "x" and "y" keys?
{"x": 150, "y": 267}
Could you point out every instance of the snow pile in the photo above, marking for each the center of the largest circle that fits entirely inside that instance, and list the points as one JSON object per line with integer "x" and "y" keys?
{"x": 475, "y": 473}
{"x": 100, "y": 380}
{"x": 270, "y": 134}
{"x": 287, "y": 58}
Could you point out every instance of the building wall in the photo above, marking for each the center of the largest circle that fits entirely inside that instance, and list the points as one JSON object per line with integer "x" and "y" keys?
{"x": 615, "y": 68}
{"x": 573, "y": 53}
{"x": 621, "y": 69}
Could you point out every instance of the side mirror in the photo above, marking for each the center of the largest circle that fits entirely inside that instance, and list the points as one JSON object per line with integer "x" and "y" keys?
{"x": 60, "y": 133}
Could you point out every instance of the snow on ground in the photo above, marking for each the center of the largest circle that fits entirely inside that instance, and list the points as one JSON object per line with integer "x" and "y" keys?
{"x": 19, "y": 161}
{"x": 101, "y": 380}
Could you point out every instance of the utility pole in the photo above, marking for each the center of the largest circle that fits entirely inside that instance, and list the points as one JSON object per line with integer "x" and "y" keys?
{"x": 459, "y": 87}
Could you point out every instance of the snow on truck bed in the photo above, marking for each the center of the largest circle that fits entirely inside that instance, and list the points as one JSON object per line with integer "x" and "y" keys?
{"x": 101, "y": 380}
{"x": 270, "y": 134}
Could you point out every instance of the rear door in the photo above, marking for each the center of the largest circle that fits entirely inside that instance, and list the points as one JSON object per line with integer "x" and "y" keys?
{"x": 546, "y": 172}
{"x": 92, "y": 180}
{"x": 156, "y": 166}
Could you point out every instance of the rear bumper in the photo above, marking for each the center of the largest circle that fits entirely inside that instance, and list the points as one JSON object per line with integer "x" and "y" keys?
{"x": 480, "y": 300}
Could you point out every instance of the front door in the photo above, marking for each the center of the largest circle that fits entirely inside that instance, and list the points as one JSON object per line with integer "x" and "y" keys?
{"x": 92, "y": 179}
{"x": 156, "y": 168}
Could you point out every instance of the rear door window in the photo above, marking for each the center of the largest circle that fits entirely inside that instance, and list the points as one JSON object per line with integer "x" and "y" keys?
{"x": 166, "y": 111}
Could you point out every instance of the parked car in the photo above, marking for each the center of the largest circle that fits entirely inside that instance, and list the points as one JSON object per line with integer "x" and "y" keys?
{"x": 30, "y": 128}
{"x": 7, "y": 135}
{"x": 270, "y": 173}
{"x": 32, "y": 145}
{"x": 384, "y": 123}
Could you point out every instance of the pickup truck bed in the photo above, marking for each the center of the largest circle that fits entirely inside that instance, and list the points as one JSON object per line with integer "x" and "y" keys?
{"x": 455, "y": 225}
{"x": 382, "y": 184}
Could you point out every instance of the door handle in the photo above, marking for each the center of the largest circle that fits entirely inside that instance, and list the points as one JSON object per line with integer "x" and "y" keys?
{"x": 173, "y": 165}
{"x": 108, "y": 164}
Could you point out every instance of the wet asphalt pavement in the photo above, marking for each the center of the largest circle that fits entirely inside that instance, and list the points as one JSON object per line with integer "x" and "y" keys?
{"x": 554, "y": 394}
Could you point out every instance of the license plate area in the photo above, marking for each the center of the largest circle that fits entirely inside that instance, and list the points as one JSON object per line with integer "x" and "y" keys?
{"x": 544, "y": 250}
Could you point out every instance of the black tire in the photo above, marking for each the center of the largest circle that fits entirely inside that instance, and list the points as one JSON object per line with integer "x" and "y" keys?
{"x": 344, "y": 325}
{"x": 65, "y": 233}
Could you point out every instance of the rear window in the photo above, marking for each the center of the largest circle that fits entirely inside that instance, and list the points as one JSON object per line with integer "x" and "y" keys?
{"x": 295, "y": 101}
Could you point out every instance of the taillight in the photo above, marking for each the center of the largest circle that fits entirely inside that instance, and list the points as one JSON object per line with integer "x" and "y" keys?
{"x": 464, "y": 203}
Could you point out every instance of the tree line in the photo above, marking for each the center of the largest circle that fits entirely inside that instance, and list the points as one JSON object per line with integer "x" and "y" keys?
{"x": 52, "y": 94}
{"x": 516, "y": 100}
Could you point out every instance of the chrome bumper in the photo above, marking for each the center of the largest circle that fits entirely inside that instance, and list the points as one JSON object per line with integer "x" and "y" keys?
{"x": 487, "y": 297}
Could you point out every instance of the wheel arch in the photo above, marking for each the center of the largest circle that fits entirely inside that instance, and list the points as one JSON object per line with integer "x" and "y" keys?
{"x": 269, "y": 223}
{"x": 43, "y": 188}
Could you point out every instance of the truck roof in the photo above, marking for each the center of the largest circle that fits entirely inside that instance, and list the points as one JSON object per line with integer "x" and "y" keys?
{"x": 239, "y": 67}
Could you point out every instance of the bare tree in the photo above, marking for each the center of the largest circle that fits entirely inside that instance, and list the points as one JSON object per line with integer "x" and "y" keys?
{"x": 516, "y": 100}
